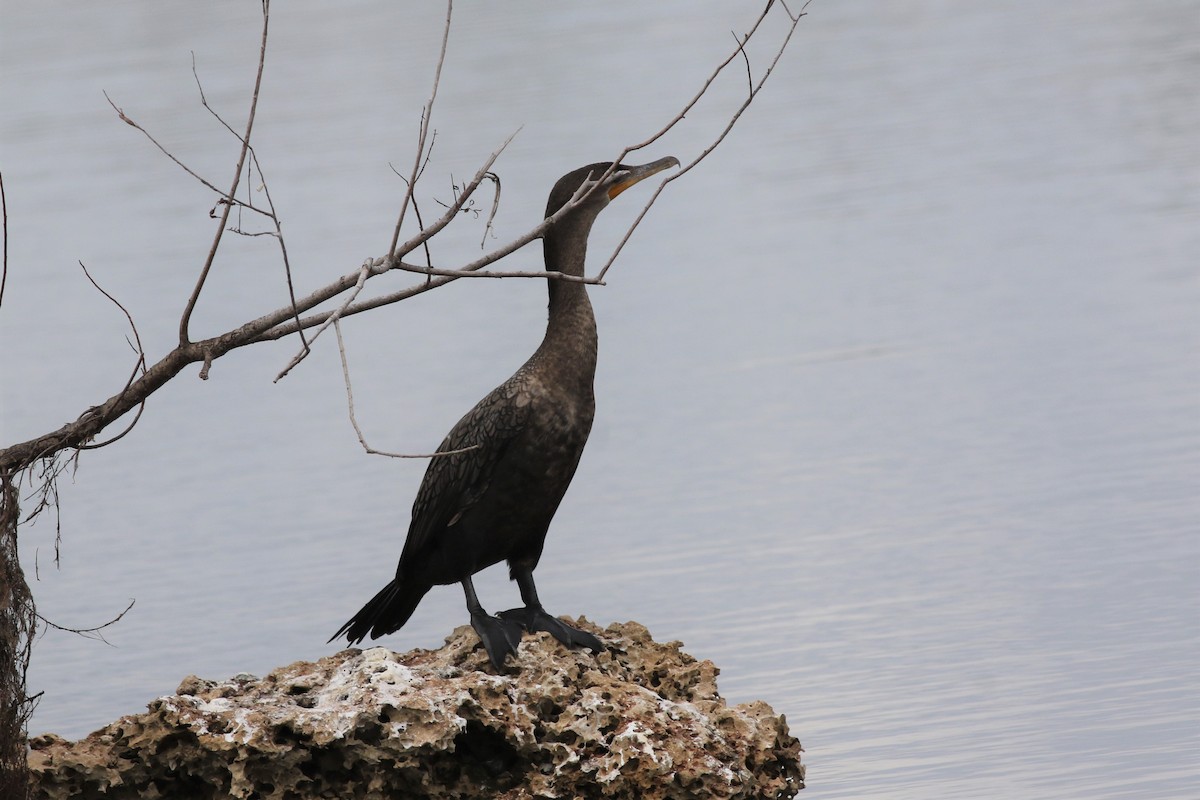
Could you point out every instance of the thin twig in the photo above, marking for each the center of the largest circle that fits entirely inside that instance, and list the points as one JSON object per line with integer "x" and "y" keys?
{"x": 139, "y": 366}
{"x": 90, "y": 633}
{"x": 421, "y": 225}
{"x": 426, "y": 116}
{"x": 337, "y": 329}
{"x": 703, "y": 89}
{"x": 487, "y": 228}
{"x": 270, "y": 213}
{"x": 287, "y": 266}
{"x": 237, "y": 176}
{"x": 363, "y": 273}
{"x": 745, "y": 58}
{"x": 207, "y": 184}
{"x": 204, "y": 101}
{"x": 379, "y": 265}
{"x": 467, "y": 273}
{"x": 4, "y": 261}
{"x": 44, "y": 471}
{"x": 416, "y": 206}
{"x": 452, "y": 211}
{"x": 755, "y": 88}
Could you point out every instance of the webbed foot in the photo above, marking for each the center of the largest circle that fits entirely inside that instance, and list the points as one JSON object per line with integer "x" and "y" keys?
{"x": 500, "y": 637}
{"x": 535, "y": 618}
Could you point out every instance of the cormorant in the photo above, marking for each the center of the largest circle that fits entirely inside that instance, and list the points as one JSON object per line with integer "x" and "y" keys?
{"x": 494, "y": 502}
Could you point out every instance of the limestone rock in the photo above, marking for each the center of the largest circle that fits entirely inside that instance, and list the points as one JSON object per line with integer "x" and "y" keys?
{"x": 641, "y": 720}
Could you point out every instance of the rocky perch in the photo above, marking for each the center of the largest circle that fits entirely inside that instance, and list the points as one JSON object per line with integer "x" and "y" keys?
{"x": 641, "y": 720}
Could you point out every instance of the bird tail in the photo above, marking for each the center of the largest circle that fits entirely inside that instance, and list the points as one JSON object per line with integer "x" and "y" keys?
{"x": 384, "y": 613}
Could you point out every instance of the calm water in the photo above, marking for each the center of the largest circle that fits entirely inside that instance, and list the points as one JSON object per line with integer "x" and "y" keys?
{"x": 898, "y": 397}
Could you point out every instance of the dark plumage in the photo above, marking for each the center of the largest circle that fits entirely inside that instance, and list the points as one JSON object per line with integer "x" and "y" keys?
{"x": 495, "y": 501}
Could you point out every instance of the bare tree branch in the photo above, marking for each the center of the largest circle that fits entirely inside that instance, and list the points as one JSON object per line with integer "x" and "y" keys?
{"x": 90, "y": 633}
{"x": 379, "y": 265}
{"x": 283, "y": 253}
{"x": 204, "y": 181}
{"x": 204, "y": 102}
{"x": 333, "y": 318}
{"x": 464, "y": 273}
{"x": 283, "y": 321}
{"x": 755, "y": 88}
{"x": 270, "y": 213}
{"x": 426, "y": 116}
{"x": 416, "y": 207}
{"x": 487, "y": 228}
{"x": 237, "y": 176}
{"x": 140, "y": 365}
{"x": 703, "y": 89}
{"x": 4, "y": 262}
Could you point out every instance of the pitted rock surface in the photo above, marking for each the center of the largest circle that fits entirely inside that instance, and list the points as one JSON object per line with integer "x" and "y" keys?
{"x": 640, "y": 720}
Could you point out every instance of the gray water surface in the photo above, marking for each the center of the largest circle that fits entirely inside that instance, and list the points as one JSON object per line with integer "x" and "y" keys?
{"x": 898, "y": 393}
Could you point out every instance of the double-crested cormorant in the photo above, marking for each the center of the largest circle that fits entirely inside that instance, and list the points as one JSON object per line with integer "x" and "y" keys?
{"x": 494, "y": 502}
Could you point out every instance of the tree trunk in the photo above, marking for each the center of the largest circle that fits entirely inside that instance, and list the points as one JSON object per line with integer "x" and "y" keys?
{"x": 17, "y": 627}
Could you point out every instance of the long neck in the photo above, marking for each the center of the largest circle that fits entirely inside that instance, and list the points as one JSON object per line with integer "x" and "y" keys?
{"x": 569, "y": 347}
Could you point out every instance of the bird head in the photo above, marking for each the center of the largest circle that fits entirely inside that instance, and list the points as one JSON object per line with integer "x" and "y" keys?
{"x": 622, "y": 177}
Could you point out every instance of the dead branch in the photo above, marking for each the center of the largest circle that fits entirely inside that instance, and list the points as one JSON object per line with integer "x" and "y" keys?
{"x": 416, "y": 206}
{"x": 139, "y": 365}
{"x": 381, "y": 265}
{"x": 4, "y": 261}
{"x": 703, "y": 89}
{"x": 487, "y": 228}
{"x": 333, "y": 318}
{"x": 283, "y": 253}
{"x": 482, "y": 273}
{"x": 426, "y": 116}
{"x": 89, "y": 633}
{"x": 270, "y": 213}
{"x": 237, "y": 176}
{"x": 290, "y": 318}
{"x": 755, "y": 88}
{"x": 204, "y": 181}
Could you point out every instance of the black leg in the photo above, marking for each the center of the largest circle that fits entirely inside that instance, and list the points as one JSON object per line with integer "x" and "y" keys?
{"x": 500, "y": 637}
{"x": 534, "y": 618}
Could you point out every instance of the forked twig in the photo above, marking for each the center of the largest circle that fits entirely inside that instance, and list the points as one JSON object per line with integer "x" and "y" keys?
{"x": 416, "y": 206}
{"x": 363, "y": 274}
{"x": 426, "y": 116}
{"x": 703, "y": 89}
{"x": 381, "y": 265}
{"x": 755, "y": 88}
{"x": 283, "y": 253}
{"x": 204, "y": 181}
{"x": 139, "y": 365}
{"x": 237, "y": 176}
{"x": 452, "y": 210}
{"x": 270, "y": 212}
{"x": 487, "y": 228}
